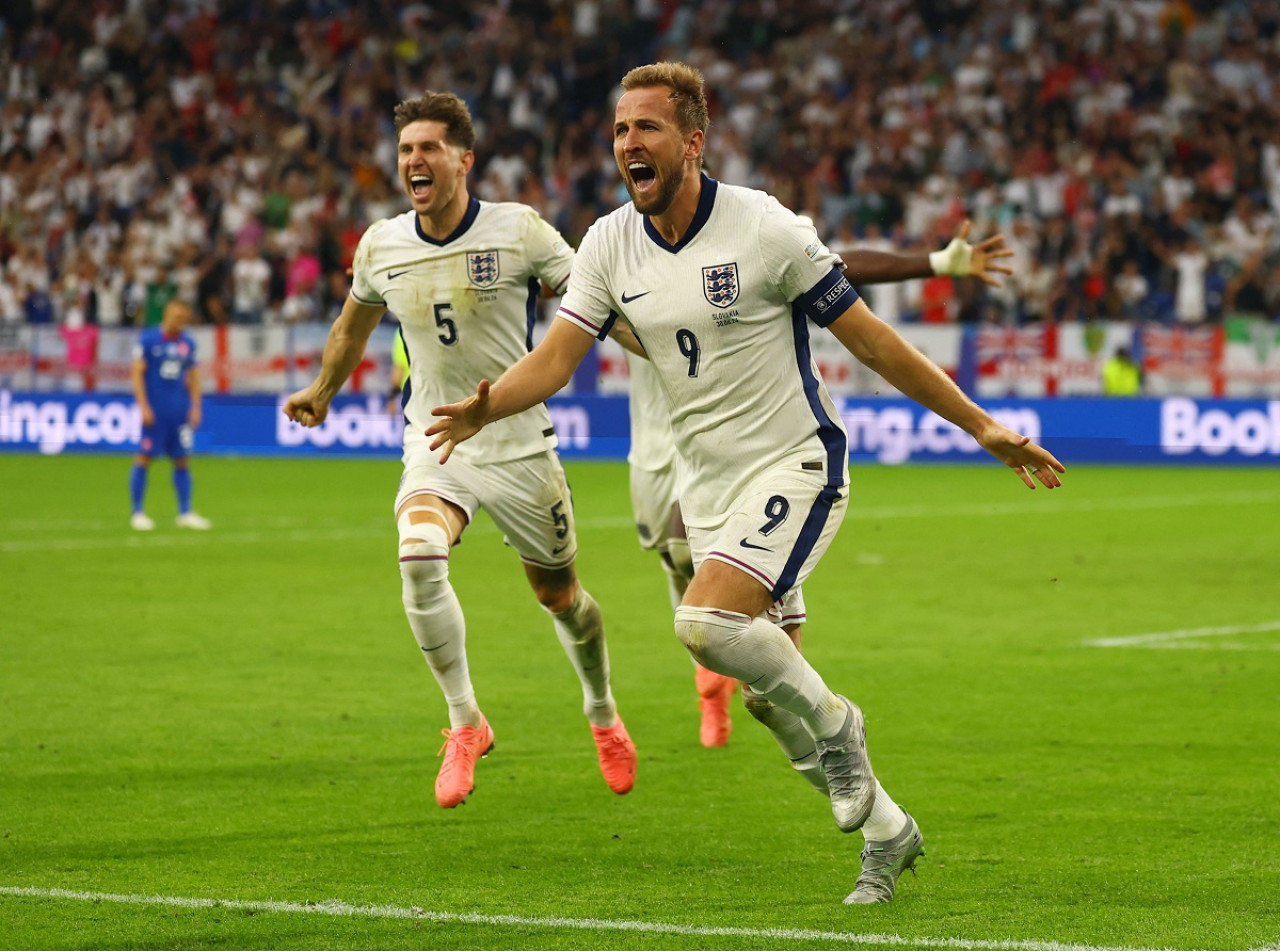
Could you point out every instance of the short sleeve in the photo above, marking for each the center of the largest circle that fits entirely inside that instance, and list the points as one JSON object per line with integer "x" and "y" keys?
{"x": 807, "y": 272}
{"x": 587, "y": 303}
{"x": 550, "y": 256}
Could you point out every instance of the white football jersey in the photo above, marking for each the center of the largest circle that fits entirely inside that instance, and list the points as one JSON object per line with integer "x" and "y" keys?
{"x": 724, "y": 316}
{"x": 466, "y": 307}
{"x": 652, "y": 442}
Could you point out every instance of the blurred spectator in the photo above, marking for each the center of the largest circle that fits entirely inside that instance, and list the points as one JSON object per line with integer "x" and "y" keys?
{"x": 1247, "y": 294}
{"x": 1120, "y": 375}
{"x": 159, "y": 291}
{"x": 146, "y": 133}
{"x": 250, "y": 285}
{"x": 1191, "y": 263}
{"x": 1132, "y": 288}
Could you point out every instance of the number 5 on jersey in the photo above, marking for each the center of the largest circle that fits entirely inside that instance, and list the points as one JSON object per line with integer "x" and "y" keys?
{"x": 444, "y": 320}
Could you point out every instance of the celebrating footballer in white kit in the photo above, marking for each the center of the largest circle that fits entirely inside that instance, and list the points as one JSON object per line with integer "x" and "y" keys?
{"x": 463, "y": 278}
{"x": 719, "y": 284}
{"x": 652, "y": 460}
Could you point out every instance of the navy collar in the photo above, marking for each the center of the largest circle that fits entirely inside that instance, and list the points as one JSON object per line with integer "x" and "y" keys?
{"x": 473, "y": 209}
{"x": 706, "y": 201}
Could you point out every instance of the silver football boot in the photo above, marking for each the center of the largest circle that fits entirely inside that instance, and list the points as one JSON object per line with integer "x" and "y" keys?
{"x": 850, "y": 781}
{"x": 884, "y": 862}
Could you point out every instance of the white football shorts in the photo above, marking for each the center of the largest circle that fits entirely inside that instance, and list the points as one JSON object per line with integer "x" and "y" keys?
{"x": 528, "y": 499}
{"x": 777, "y": 529}
{"x": 653, "y": 495}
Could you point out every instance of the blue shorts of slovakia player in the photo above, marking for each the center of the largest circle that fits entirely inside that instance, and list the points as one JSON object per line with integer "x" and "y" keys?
{"x": 167, "y": 437}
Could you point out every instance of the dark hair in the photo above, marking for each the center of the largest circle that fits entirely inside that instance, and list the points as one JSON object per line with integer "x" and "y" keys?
{"x": 442, "y": 107}
{"x": 686, "y": 85}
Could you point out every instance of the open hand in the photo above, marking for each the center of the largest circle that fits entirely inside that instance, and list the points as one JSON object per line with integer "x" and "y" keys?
{"x": 1023, "y": 456}
{"x": 983, "y": 255}
{"x": 457, "y": 422}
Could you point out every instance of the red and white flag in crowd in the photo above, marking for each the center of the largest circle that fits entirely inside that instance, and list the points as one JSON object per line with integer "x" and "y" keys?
{"x": 1175, "y": 358}
{"x": 1021, "y": 360}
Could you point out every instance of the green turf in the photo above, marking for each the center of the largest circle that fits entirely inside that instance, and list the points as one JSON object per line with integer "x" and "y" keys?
{"x": 243, "y": 715}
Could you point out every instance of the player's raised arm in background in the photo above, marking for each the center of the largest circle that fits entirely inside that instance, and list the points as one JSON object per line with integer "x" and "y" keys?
{"x": 342, "y": 354}
{"x": 541, "y": 373}
{"x": 957, "y": 259}
{"x": 884, "y": 350}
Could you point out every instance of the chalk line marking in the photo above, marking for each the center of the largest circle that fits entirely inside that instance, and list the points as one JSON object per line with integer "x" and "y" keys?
{"x": 1185, "y": 639}
{"x": 117, "y": 535}
{"x": 343, "y": 910}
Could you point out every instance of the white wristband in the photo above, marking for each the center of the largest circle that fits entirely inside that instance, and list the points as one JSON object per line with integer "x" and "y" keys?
{"x": 953, "y": 260}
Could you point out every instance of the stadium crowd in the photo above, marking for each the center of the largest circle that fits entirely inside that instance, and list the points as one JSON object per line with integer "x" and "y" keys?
{"x": 231, "y": 152}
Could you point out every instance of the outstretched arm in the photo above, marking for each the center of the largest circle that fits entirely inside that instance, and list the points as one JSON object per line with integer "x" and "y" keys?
{"x": 884, "y": 350}
{"x": 342, "y": 353}
{"x": 540, "y": 373}
{"x": 957, "y": 259}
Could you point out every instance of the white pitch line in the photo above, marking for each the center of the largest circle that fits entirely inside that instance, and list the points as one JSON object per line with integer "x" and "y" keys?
{"x": 186, "y": 539}
{"x": 344, "y": 910}
{"x": 1168, "y": 639}
{"x": 115, "y": 536}
{"x": 1058, "y": 505}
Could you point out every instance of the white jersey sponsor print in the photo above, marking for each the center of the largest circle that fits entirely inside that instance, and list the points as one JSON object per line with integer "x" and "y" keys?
{"x": 724, "y": 317}
{"x": 466, "y": 306}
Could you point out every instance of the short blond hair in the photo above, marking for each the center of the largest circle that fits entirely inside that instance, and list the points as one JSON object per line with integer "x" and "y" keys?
{"x": 687, "y": 90}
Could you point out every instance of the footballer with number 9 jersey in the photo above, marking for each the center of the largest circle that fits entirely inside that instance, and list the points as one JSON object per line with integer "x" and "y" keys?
{"x": 462, "y": 276}
{"x": 720, "y": 283}
{"x": 652, "y": 461}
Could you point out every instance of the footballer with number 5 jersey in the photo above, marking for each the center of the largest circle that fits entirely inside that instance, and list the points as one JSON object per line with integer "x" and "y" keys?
{"x": 720, "y": 284}
{"x": 463, "y": 277}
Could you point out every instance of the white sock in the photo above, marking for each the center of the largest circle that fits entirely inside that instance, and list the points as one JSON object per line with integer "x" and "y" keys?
{"x": 760, "y": 654}
{"x": 581, "y": 633}
{"x": 435, "y": 617}
{"x": 792, "y": 737}
{"x": 677, "y": 561}
{"x": 886, "y": 820}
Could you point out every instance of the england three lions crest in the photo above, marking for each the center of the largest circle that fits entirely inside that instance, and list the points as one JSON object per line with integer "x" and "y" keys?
{"x": 720, "y": 284}
{"x": 482, "y": 268}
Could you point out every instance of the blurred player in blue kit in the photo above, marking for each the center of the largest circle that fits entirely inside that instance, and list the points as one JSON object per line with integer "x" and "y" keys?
{"x": 166, "y": 384}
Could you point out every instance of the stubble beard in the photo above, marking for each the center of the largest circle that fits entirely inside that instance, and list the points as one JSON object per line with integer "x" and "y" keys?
{"x": 657, "y": 202}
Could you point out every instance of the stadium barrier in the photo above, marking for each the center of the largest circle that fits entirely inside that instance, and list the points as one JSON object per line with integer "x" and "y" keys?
{"x": 888, "y": 431}
{"x": 1237, "y": 359}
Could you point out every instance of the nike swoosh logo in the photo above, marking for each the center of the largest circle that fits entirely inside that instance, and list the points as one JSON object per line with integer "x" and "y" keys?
{"x": 746, "y": 544}
{"x": 392, "y": 277}
{"x": 556, "y": 551}
{"x": 628, "y": 300}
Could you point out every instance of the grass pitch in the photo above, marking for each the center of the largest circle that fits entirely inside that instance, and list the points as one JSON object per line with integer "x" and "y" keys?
{"x": 1074, "y": 692}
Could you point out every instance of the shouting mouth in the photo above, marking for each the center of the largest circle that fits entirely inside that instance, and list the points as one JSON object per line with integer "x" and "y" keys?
{"x": 420, "y": 185}
{"x": 643, "y": 176}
